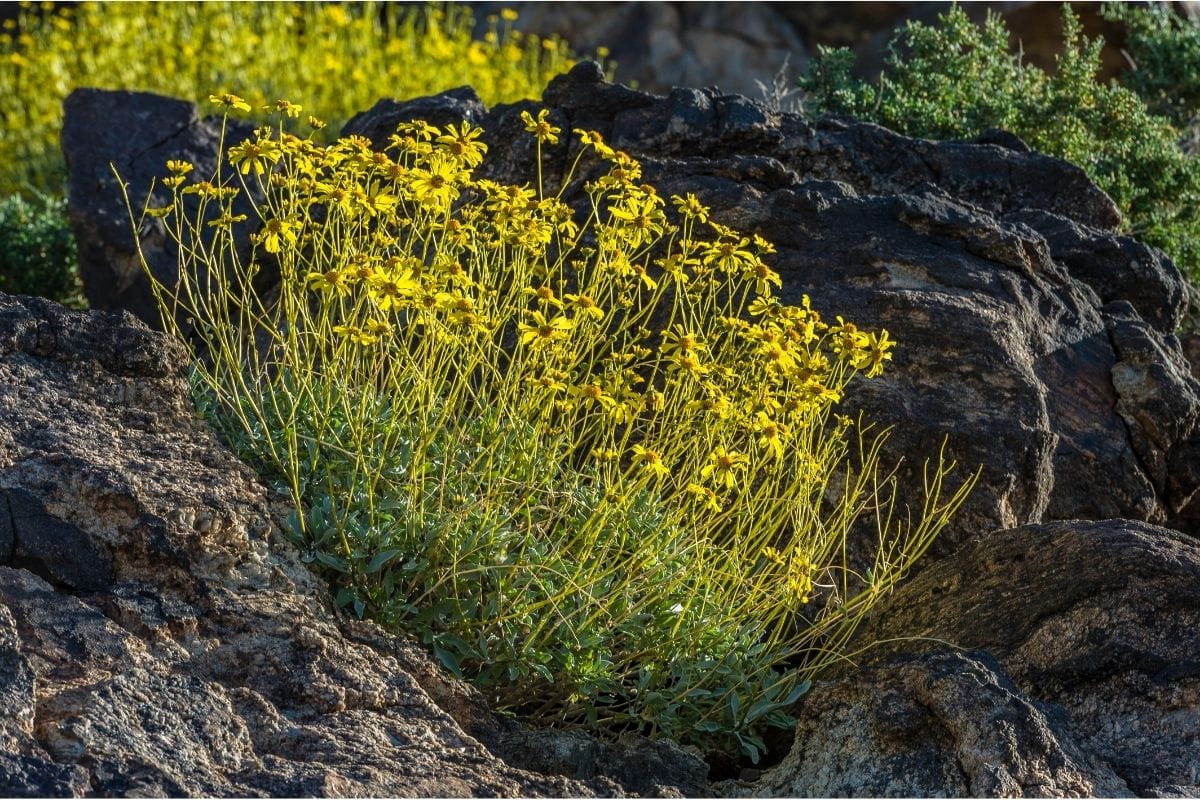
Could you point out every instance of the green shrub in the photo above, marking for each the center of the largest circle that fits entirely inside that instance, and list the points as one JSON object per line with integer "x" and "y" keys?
{"x": 37, "y": 250}
{"x": 592, "y": 462}
{"x": 955, "y": 79}
{"x": 1165, "y": 50}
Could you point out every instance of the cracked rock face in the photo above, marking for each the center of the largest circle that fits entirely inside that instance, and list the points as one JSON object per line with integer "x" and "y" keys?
{"x": 1079, "y": 675}
{"x": 157, "y": 638}
{"x": 1033, "y": 337}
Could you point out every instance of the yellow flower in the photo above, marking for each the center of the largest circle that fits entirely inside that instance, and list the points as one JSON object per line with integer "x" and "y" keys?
{"x": 779, "y": 357}
{"x": 543, "y": 294}
{"x": 624, "y": 173}
{"x": 690, "y": 207}
{"x": 378, "y": 327}
{"x": 770, "y": 434}
{"x": 541, "y": 332}
{"x": 436, "y": 186}
{"x": 680, "y": 341}
{"x": 595, "y": 140}
{"x": 275, "y": 232}
{"x": 257, "y": 156}
{"x": 763, "y": 276}
{"x": 719, "y": 406}
{"x": 846, "y": 337}
{"x": 722, "y": 466}
{"x": 704, "y": 496}
{"x": 180, "y": 167}
{"x": 584, "y": 303}
{"x": 463, "y": 143}
{"x": 687, "y": 362}
{"x": 814, "y": 391}
{"x": 594, "y": 393}
{"x": 549, "y": 381}
{"x": 773, "y": 555}
{"x": 226, "y": 220}
{"x": 641, "y": 218}
{"x": 377, "y": 202}
{"x": 229, "y": 101}
{"x": 331, "y": 281}
{"x": 391, "y": 290}
{"x": 729, "y": 256}
{"x": 762, "y": 244}
{"x": 541, "y": 127}
{"x": 204, "y": 189}
{"x": 291, "y": 109}
{"x": 878, "y": 350}
{"x": 650, "y": 462}
{"x": 356, "y": 334}
{"x": 763, "y": 306}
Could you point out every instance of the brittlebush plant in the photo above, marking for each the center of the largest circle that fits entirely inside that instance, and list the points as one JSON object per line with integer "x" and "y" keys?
{"x": 589, "y": 459}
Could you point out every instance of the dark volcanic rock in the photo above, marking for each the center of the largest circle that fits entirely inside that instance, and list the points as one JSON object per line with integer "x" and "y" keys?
{"x": 47, "y": 546}
{"x": 158, "y": 637}
{"x": 448, "y": 108}
{"x": 1034, "y": 337}
{"x": 935, "y": 725}
{"x": 1095, "y": 631}
{"x": 136, "y": 133}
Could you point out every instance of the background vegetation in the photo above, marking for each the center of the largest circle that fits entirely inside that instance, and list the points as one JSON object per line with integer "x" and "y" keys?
{"x": 343, "y": 57}
{"x": 956, "y": 79}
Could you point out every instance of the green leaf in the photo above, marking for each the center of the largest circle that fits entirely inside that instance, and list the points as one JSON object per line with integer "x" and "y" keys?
{"x": 382, "y": 559}
{"x": 449, "y": 660}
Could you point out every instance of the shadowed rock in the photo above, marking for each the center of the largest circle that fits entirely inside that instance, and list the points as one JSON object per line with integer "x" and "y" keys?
{"x": 137, "y": 133}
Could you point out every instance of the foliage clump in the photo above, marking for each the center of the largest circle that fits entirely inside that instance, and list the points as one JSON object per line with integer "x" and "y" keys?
{"x": 1164, "y": 48}
{"x": 37, "y": 251}
{"x": 956, "y": 79}
{"x": 587, "y": 457}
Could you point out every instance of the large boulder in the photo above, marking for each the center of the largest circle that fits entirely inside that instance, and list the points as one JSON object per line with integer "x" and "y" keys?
{"x": 159, "y": 637}
{"x": 1080, "y": 675}
{"x": 1033, "y": 336}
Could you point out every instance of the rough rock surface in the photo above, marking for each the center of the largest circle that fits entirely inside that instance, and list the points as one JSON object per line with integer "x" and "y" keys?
{"x": 1082, "y": 676}
{"x": 158, "y": 638}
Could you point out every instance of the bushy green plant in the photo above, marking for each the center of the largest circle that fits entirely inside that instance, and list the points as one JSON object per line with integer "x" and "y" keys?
{"x": 589, "y": 459}
{"x": 37, "y": 250}
{"x": 1165, "y": 51}
{"x": 343, "y": 56}
{"x": 955, "y": 79}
